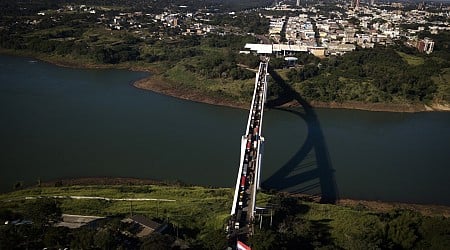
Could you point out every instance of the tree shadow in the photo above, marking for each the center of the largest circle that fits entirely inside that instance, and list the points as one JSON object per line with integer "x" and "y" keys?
{"x": 309, "y": 170}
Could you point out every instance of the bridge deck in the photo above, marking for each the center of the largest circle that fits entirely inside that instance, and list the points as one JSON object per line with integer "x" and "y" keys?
{"x": 248, "y": 178}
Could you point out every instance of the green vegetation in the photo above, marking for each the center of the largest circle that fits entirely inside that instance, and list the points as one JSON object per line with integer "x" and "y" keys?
{"x": 250, "y": 22}
{"x": 189, "y": 201}
{"x": 192, "y": 59}
{"x": 442, "y": 82}
{"x": 411, "y": 59}
{"x": 198, "y": 217}
{"x": 208, "y": 64}
{"x": 298, "y": 224}
{"x": 371, "y": 75}
{"x": 197, "y": 212}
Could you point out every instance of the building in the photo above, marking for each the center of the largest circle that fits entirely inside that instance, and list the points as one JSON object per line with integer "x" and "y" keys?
{"x": 425, "y": 45}
{"x": 318, "y": 51}
{"x": 280, "y": 49}
{"x": 290, "y": 61}
{"x": 148, "y": 226}
{"x": 77, "y": 221}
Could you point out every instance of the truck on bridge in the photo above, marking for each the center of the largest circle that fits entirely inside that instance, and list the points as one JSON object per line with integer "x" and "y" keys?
{"x": 248, "y": 178}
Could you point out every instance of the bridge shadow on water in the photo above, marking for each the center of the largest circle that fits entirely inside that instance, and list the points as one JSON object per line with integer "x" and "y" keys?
{"x": 310, "y": 170}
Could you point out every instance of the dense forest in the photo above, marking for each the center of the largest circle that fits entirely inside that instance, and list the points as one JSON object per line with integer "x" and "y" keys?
{"x": 368, "y": 75}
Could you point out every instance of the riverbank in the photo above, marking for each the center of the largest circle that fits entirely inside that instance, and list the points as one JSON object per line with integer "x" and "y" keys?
{"x": 77, "y": 63}
{"x": 200, "y": 215}
{"x": 378, "y": 206}
{"x": 91, "y": 183}
{"x": 157, "y": 83}
{"x": 377, "y": 107}
{"x": 160, "y": 85}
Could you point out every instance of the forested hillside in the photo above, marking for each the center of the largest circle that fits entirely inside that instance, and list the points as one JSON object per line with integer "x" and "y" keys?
{"x": 371, "y": 75}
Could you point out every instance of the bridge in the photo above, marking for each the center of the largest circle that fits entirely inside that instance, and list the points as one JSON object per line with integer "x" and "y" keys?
{"x": 248, "y": 178}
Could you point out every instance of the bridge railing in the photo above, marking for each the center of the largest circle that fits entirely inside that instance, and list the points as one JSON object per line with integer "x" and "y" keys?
{"x": 249, "y": 172}
{"x": 238, "y": 178}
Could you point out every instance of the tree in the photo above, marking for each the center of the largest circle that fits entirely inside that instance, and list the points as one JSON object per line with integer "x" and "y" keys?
{"x": 83, "y": 238}
{"x": 277, "y": 63}
{"x": 104, "y": 239}
{"x": 9, "y": 239}
{"x": 264, "y": 239}
{"x": 43, "y": 212}
{"x": 214, "y": 239}
{"x": 57, "y": 237}
{"x": 435, "y": 232}
{"x": 157, "y": 241}
{"x": 403, "y": 228}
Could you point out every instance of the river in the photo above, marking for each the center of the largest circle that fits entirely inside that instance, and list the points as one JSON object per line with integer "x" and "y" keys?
{"x": 64, "y": 123}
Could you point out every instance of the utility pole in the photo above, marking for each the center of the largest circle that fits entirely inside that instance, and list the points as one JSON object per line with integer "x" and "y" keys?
{"x": 260, "y": 221}
{"x": 157, "y": 208}
{"x": 131, "y": 208}
{"x": 270, "y": 217}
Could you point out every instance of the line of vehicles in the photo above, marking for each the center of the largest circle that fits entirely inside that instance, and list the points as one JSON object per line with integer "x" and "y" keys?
{"x": 247, "y": 178}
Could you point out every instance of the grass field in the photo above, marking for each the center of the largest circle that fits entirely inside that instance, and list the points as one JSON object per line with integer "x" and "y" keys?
{"x": 238, "y": 90}
{"x": 210, "y": 206}
{"x": 410, "y": 59}
{"x": 204, "y": 210}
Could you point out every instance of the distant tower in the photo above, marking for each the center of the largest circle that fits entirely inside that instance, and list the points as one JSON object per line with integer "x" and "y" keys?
{"x": 298, "y": 2}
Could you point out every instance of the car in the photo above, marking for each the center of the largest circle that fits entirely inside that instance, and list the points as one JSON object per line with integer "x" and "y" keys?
{"x": 244, "y": 169}
{"x": 249, "y": 144}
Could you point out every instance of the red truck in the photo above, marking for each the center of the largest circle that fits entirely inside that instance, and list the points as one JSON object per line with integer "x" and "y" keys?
{"x": 243, "y": 181}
